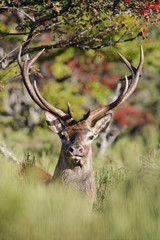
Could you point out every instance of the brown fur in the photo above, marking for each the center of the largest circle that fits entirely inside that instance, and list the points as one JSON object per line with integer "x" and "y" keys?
{"x": 39, "y": 173}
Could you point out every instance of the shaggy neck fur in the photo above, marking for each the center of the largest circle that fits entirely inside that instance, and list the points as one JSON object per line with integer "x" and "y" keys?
{"x": 82, "y": 177}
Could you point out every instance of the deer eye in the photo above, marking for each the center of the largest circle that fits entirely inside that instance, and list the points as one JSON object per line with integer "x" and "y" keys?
{"x": 72, "y": 138}
{"x": 90, "y": 137}
{"x": 62, "y": 136}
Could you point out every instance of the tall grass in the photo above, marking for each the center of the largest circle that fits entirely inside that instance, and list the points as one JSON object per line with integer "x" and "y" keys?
{"x": 127, "y": 206}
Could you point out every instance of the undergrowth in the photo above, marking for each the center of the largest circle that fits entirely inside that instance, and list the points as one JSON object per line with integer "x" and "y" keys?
{"x": 128, "y": 193}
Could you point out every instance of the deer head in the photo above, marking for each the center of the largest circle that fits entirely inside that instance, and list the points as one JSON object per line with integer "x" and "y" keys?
{"x": 75, "y": 161}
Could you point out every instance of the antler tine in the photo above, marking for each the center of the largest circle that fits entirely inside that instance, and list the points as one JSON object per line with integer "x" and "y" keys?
{"x": 127, "y": 90}
{"x": 34, "y": 93}
{"x": 25, "y": 72}
{"x": 70, "y": 113}
{"x": 19, "y": 58}
{"x": 33, "y": 59}
{"x": 54, "y": 110}
{"x": 100, "y": 111}
{"x": 28, "y": 85}
{"x": 135, "y": 74}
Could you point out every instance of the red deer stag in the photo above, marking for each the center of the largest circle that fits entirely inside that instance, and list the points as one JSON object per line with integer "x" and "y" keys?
{"x": 75, "y": 161}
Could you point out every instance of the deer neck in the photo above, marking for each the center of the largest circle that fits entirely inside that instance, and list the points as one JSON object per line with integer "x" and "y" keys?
{"x": 79, "y": 176}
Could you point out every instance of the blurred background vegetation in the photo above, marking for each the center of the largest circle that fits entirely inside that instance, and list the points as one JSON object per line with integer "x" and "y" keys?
{"x": 81, "y": 65}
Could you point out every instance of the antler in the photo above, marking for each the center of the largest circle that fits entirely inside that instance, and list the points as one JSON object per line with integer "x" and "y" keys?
{"x": 89, "y": 116}
{"x": 128, "y": 90}
{"x": 35, "y": 94}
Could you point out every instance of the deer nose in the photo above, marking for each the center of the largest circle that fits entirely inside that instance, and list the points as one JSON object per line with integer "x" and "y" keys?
{"x": 75, "y": 150}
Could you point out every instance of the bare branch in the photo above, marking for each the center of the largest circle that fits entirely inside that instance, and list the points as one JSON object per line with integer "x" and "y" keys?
{"x": 108, "y": 18}
{"x": 13, "y": 34}
{"x": 12, "y": 55}
{"x": 21, "y": 11}
{"x": 4, "y": 151}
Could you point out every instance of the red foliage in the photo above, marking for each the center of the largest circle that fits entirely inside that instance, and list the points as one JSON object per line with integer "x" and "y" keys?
{"x": 110, "y": 80}
{"x": 144, "y": 31}
{"x": 143, "y": 11}
{"x": 78, "y": 73}
{"x": 45, "y": 64}
{"x": 46, "y": 38}
{"x": 104, "y": 65}
{"x": 146, "y": 8}
{"x": 106, "y": 79}
{"x": 92, "y": 77}
{"x": 148, "y": 5}
{"x": 152, "y": 6}
{"x": 155, "y": 8}
{"x": 123, "y": 24}
{"x": 128, "y": 116}
{"x": 72, "y": 64}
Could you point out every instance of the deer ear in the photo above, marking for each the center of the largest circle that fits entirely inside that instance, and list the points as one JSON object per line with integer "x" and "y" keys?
{"x": 101, "y": 124}
{"x": 53, "y": 122}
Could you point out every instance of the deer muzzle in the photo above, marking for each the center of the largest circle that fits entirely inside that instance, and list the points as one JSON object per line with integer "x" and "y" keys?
{"x": 75, "y": 155}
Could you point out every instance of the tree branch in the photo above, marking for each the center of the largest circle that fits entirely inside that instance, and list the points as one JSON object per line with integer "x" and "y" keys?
{"x": 53, "y": 15}
{"x": 19, "y": 10}
{"x": 4, "y": 151}
{"x": 12, "y": 34}
{"x": 11, "y": 57}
